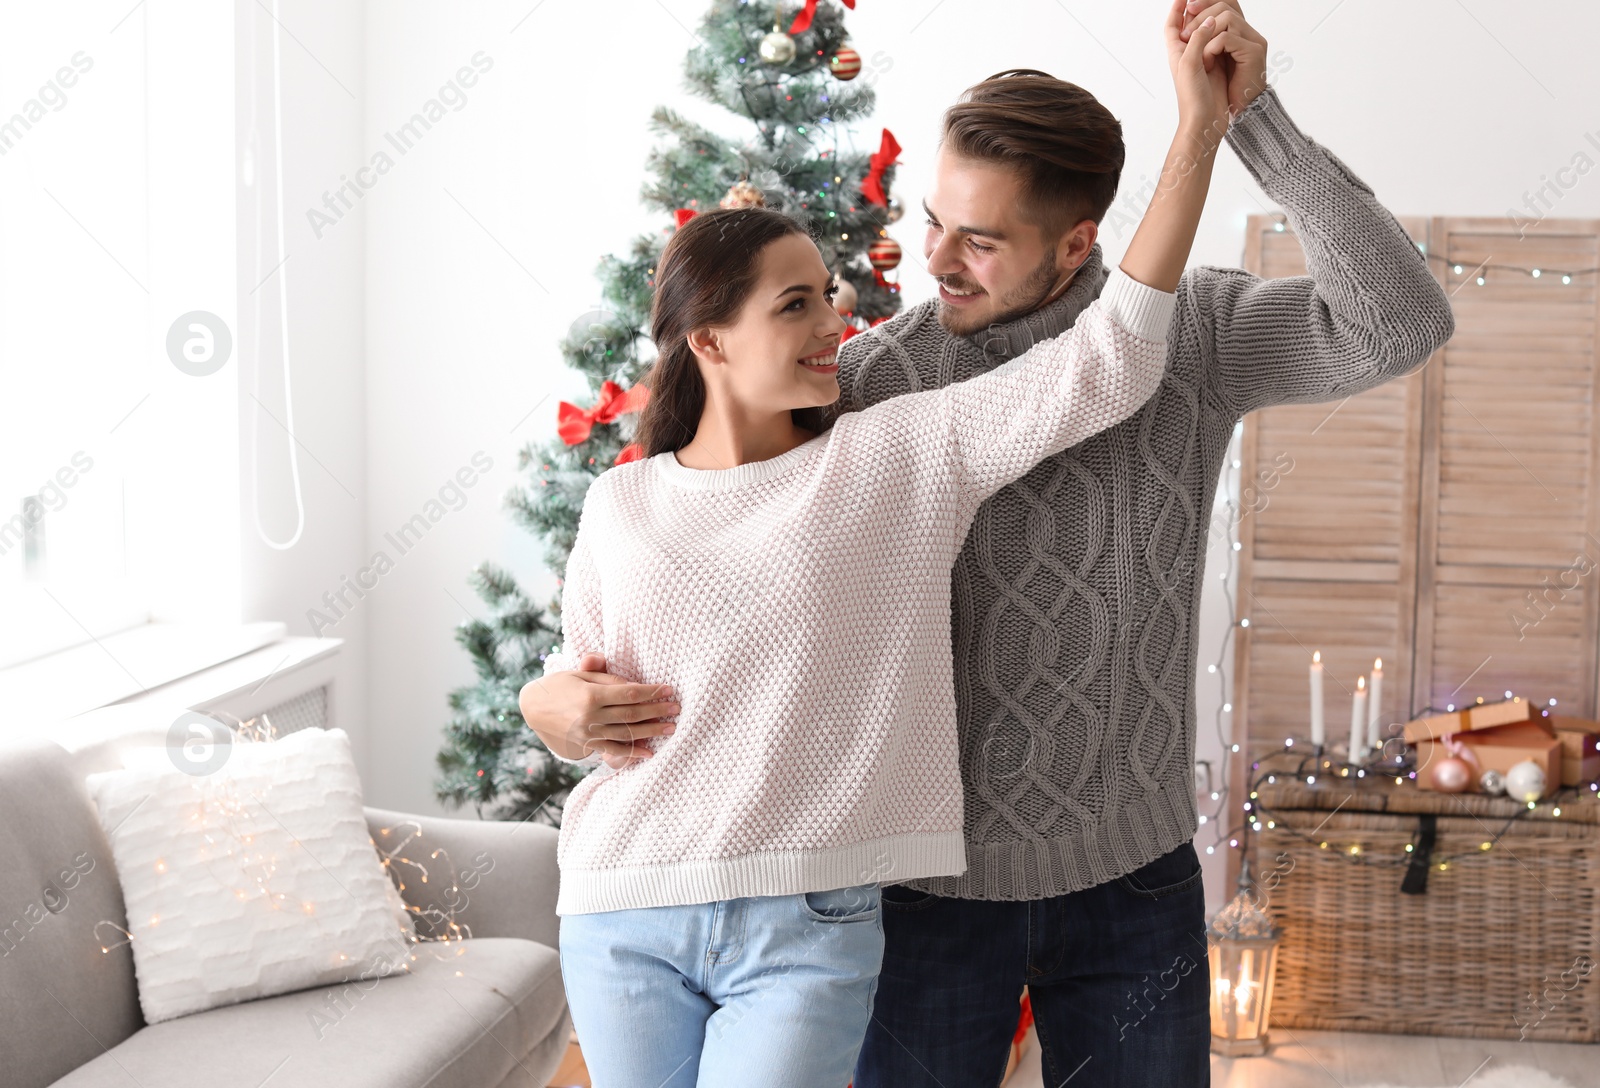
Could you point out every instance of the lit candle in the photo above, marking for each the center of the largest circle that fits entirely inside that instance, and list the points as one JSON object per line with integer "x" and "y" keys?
{"x": 1358, "y": 721}
{"x": 1374, "y": 708}
{"x": 1319, "y": 729}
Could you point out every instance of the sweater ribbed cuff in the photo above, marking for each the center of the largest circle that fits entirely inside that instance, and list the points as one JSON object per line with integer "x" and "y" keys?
{"x": 1142, "y": 310}
{"x": 1264, "y": 136}
{"x": 590, "y": 760}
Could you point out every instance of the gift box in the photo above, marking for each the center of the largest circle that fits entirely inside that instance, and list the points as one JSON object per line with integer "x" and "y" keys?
{"x": 1499, "y": 748}
{"x": 1472, "y": 718}
{"x": 1580, "y": 749}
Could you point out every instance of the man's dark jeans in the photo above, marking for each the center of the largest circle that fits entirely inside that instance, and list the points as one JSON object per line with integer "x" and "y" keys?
{"x": 1116, "y": 974}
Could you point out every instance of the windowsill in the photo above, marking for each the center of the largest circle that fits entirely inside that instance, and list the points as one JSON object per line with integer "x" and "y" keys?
{"x": 118, "y": 667}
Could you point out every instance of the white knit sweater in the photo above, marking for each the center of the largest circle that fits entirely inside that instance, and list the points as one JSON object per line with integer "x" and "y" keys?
{"x": 800, "y": 608}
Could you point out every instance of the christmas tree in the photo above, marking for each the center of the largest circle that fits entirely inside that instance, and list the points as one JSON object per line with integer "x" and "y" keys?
{"x": 793, "y": 75}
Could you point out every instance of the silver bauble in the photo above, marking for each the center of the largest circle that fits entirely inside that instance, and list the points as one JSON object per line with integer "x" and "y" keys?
{"x": 1492, "y": 782}
{"x": 777, "y": 48}
{"x": 896, "y": 210}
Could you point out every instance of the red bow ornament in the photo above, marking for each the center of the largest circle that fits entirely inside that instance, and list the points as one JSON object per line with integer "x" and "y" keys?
{"x": 802, "y": 21}
{"x": 683, "y": 215}
{"x": 574, "y": 423}
{"x": 882, "y": 159}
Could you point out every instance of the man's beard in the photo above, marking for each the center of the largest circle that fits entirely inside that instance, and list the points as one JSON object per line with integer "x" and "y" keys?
{"x": 1023, "y": 300}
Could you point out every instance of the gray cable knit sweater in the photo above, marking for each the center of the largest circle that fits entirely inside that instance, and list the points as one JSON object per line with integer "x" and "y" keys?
{"x": 1076, "y": 597}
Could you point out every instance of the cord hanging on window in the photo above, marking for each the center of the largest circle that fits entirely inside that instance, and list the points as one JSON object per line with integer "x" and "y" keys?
{"x": 283, "y": 306}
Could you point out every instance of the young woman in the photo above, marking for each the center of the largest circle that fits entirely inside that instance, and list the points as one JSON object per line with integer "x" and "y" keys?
{"x": 719, "y": 899}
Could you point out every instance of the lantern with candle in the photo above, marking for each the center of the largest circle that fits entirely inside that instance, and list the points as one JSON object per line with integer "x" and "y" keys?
{"x": 1242, "y": 945}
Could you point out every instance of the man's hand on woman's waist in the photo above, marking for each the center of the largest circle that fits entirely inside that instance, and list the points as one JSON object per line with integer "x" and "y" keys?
{"x": 583, "y": 710}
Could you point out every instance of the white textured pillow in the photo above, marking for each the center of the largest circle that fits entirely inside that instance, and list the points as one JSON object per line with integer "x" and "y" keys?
{"x": 256, "y": 879}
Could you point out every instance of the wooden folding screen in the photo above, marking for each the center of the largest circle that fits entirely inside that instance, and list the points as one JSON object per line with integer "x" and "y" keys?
{"x": 1446, "y": 522}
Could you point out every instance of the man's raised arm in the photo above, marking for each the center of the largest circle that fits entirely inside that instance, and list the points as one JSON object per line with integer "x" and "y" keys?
{"x": 1368, "y": 311}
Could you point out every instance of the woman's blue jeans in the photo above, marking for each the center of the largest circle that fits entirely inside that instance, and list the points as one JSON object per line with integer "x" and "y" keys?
{"x": 769, "y": 990}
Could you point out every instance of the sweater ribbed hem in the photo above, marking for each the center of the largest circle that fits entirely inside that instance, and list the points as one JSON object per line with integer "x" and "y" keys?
{"x": 1125, "y": 840}
{"x": 1144, "y": 311}
{"x": 888, "y": 860}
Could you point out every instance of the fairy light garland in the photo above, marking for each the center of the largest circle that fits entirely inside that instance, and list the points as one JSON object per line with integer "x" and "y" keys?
{"x": 1468, "y": 270}
{"x": 1220, "y": 793}
{"x": 1398, "y": 762}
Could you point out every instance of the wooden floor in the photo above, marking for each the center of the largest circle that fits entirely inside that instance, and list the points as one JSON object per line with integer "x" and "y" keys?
{"x": 1333, "y": 1059}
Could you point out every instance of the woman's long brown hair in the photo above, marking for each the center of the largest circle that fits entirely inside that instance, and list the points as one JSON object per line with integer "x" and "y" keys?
{"x": 704, "y": 277}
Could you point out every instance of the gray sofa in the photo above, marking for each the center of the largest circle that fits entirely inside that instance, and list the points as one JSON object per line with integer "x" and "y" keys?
{"x": 69, "y": 1013}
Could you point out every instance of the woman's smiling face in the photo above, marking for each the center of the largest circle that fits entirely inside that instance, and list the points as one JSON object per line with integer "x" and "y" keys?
{"x": 780, "y": 353}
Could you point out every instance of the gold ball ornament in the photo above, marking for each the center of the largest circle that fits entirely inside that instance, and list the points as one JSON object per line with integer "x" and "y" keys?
{"x": 844, "y": 302}
{"x": 743, "y": 195}
{"x": 776, "y": 48}
{"x": 845, "y": 64}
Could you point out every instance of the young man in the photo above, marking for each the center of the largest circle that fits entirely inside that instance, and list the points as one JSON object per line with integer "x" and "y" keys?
{"x": 1076, "y": 598}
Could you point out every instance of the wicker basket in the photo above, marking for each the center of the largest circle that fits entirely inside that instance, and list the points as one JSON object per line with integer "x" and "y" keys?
{"x": 1503, "y": 944}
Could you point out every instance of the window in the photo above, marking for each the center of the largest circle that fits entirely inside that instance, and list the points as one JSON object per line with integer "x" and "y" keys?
{"x": 118, "y": 472}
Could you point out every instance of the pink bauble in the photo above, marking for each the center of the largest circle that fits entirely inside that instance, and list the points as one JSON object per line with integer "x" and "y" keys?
{"x": 1450, "y": 775}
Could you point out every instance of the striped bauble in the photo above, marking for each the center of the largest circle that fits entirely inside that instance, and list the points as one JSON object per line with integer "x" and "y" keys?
{"x": 846, "y": 63}
{"x": 884, "y": 254}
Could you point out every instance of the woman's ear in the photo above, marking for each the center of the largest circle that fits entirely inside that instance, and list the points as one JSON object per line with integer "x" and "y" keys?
{"x": 707, "y": 345}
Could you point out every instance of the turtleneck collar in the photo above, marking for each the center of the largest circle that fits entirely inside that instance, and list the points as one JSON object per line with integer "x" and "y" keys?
{"x": 1011, "y": 338}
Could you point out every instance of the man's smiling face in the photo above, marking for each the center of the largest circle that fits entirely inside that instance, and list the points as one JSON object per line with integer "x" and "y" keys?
{"x": 992, "y": 264}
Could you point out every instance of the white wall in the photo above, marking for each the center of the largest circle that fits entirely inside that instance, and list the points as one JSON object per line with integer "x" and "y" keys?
{"x": 480, "y": 244}
{"x": 323, "y": 51}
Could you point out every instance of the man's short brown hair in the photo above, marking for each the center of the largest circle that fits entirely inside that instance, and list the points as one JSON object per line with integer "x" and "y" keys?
{"x": 1064, "y": 144}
